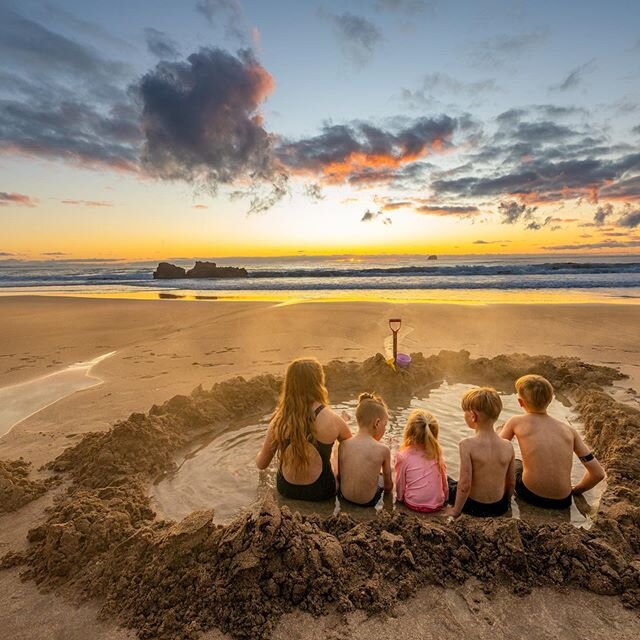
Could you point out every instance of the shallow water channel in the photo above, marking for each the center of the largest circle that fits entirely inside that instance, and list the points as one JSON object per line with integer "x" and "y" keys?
{"x": 19, "y": 401}
{"x": 221, "y": 473}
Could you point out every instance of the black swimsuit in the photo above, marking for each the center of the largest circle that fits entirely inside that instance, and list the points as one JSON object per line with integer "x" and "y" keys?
{"x": 323, "y": 488}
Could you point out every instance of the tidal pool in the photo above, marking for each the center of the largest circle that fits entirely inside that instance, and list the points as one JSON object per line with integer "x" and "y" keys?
{"x": 221, "y": 473}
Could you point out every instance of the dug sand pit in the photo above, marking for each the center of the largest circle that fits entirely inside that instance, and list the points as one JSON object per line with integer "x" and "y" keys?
{"x": 175, "y": 580}
{"x": 16, "y": 489}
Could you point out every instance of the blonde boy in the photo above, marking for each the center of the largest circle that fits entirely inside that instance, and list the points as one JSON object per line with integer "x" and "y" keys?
{"x": 543, "y": 478}
{"x": 361, "y": 458}
{"x": 487, "y": 470}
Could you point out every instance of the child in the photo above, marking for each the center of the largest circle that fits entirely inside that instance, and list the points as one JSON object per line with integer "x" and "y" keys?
{"x": 487, "y": 469}
{"x": 547, "y": 447}
{"x": 421, "y": 476}
{"x": 361, "y": 457}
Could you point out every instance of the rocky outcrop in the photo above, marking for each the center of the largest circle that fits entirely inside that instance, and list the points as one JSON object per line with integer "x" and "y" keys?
{"x": 211, "y": 270}
{"x": 168, "y": 271}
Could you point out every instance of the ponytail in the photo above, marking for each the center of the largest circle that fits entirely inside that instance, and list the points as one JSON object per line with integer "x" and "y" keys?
{"x": 422, "y": 432}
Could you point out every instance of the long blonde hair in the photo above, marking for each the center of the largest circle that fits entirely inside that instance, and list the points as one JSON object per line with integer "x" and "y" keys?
{"x": 422, "y": 432}
{"x": 293, "y": 419}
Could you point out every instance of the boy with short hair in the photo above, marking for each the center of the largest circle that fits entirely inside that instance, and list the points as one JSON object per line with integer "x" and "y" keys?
{"x": 361, "y": 458}
{"x": 487, "y": 470}
{"x": 543, "y": 478}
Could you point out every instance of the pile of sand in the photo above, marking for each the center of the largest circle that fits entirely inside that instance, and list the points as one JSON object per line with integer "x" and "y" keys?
{"x": 16, "y": 489}
{"x": 170, "y": 579}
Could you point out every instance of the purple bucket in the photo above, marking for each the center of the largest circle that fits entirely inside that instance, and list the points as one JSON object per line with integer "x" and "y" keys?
{"x": 403, "y": 360}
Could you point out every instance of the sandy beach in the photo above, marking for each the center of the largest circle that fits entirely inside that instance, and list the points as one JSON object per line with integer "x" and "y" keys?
{"x": 160, "y": 349}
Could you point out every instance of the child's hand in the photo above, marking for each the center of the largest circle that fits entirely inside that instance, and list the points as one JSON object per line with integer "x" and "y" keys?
{"x": 451, "y": 512}
{"x": 345, "y": 416}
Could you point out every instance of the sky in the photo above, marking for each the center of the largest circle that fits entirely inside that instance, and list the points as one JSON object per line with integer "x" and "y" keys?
{"x": 150, "y": 129}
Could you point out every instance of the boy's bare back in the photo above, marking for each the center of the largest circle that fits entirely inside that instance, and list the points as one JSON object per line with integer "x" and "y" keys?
{"x": 490, "y": 462}
{"x": 361, "y": 460}
{"x": 547, "y": 445}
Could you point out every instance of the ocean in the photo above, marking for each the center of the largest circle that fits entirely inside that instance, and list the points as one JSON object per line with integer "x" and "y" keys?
{"x": 534, "y": 277}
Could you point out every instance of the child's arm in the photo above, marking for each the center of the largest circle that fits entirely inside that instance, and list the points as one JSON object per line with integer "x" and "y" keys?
{"x": 464, "y": 481}
{"x": 401, "y": 477}
{"x": 594, "y": 472}
{"x": 445, "y": 484}
{"x": 507, "y": 430}
{"x": 510, "y": 480}
{"x": 265, "y": 455}
{"x": 386, "y": 470}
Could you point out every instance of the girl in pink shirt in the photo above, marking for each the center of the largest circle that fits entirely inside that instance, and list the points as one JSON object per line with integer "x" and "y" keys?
{"x": 421, "y": 475}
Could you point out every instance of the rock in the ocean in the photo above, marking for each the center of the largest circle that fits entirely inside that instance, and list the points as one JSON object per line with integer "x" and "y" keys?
{"x": 167, "y": 270}
{"x": 210, "y": 270}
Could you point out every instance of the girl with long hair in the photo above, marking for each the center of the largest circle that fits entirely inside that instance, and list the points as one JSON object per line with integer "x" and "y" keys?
{"x": 421, "y": 475}
{"x": 302, "y": 433}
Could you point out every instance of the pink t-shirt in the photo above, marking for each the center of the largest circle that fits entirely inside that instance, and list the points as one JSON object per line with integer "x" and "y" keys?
{"x": 419, "y": 482}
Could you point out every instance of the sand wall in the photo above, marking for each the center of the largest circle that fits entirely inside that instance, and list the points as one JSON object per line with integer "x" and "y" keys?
{"x": 174, "y": 580}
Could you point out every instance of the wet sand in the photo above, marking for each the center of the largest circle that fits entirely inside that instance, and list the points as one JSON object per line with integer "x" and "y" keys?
{"x": 168, "y": 347}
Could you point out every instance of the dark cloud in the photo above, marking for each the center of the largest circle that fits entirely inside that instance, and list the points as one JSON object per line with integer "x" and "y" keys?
{"x": 393, "y": 206}
{"x": 4, "y": 254}
{"x": 54, "y": 253}
{"x": 313, "y": 191}
{"x": 362, "y": 153}
{"x": 602, "y": 213}
{"x": 512, "y": 211}
{"x": 227, "y": 13}
{"x": 490, "y": 241}
{"x": 16, "y": 199}
{"x": 201, "y": 123}
{"x": 88, "y": 203}
{"x": 27, "y": 44}
{"x": 636, "y": 130}
{"x": 357, "y": 36}
{"x": 536, "y": 225}
{"x": 370, "y": 216}
{"x": 160, "y": 44}
{"x": 630, "y": 219}
{"x": 574, "y": 78}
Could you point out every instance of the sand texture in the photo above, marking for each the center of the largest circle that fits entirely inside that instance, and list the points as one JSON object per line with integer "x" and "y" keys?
{"x": 168, "y": 579}
{"x": 92, "y": 542}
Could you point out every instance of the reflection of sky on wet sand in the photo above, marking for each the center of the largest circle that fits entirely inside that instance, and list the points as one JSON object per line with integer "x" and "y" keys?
{"x": 19, "y": 401}
{"x": 221, "y": 473}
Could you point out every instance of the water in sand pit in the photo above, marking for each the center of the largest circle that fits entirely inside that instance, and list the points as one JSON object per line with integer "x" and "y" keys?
{"x": 221, "y": 473}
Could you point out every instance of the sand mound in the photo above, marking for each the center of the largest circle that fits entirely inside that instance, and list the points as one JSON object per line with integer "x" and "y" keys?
{"x": 16, "y": 489}
{"x": 171, "y": 580}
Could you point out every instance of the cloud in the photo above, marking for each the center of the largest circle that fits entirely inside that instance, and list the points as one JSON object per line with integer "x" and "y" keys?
{"x": 28, "y": 44}
{"x": 410, "y": 7}
{"x": 609, "y": 244}
{"x": 602, "y": 213}
{"x": 491, "y": 241}
{"x": 445, "y": 210}
{"x": 202, "y": 124}
{"x": 199, "y": 206}
{"x": 502, "y": 48}
{"x": 437, "y": 84}
{"x": 16, "y": 199}
{"x": 62, "y": 100}
{"x": 88, "y": 203}
{"x": 369, "y": 216}
{"x": 54, "y": 253}
{"x": 536, "y": 225}
{"x": 228, "y": 12}
{"x": 160, "y": 44}
{"x": 357, "y": 36}
{"x": 4, "y": 254}
{"x": 574, "y": 77}
{"x": 361, "y": 153}
{"x": 631, "y": 219}
{"x": 512, "y": 211}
